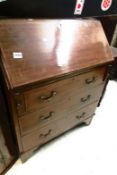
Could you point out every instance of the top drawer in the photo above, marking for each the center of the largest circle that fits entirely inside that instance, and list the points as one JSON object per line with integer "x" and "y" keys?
{"x": 53, "y": 93}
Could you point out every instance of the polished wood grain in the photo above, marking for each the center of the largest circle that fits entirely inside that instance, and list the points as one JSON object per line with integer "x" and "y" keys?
{"x": 50, "y": 48}
{"x": 33, "y": 98}
{"x": 40, "y": 119}
{"x": 57, "y": 127}
{"x": 72, "y": 97}
{"x": 57, "y": 108}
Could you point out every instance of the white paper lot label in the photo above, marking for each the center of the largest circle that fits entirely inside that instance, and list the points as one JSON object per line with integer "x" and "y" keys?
{"x": 106, "y": 4}
{"x": 79, "y": 7}
{"x": 17, "y": 55}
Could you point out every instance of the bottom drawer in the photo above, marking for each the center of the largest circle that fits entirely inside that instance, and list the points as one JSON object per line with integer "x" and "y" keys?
{"x": 56, "y": 128}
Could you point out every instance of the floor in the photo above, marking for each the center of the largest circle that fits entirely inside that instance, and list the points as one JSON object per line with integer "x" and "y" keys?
{"x": 88, "y": 150}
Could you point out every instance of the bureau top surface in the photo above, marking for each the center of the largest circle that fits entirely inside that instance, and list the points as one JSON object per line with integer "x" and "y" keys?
{"x": 50, "y": 48}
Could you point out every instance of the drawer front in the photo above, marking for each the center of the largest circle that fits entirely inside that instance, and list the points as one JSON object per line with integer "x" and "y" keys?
{"x": 37, "y": 119}
{"x": 39, "y": 137}
{"x": 56, "y": 92}
{"x": 57, "y": 127}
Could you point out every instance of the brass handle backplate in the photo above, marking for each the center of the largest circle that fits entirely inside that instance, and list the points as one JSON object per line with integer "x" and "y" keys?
{"x": 43, "y": 118}
{"x": 81, "y": 116}
{"x": 47, "y": 98}
{"x": 84, "y": 99}
{"x": 90, "y": 80}
{"x": 47, "y": 134}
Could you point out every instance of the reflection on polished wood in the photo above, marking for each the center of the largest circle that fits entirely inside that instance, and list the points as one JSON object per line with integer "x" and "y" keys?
{"x": 50, "y": 47}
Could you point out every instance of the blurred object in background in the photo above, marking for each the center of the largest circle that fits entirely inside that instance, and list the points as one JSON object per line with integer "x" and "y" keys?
{"x": 57, "y": 8}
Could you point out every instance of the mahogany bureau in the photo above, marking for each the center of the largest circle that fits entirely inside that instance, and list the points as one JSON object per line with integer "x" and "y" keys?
{"x": 55, "y": 73}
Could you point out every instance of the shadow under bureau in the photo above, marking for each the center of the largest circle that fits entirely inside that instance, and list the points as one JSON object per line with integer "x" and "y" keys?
{"x": 55, "y": 73}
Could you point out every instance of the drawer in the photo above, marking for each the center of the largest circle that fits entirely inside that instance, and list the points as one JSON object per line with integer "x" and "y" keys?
{"x": 36, "y": 119}
{"x": 76, "y": 117}
{"x": 57, "y": 127}
{"x": 39, "y": 119}
{"x": 40, "y": 97}
{"x": 40, "y": 136}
